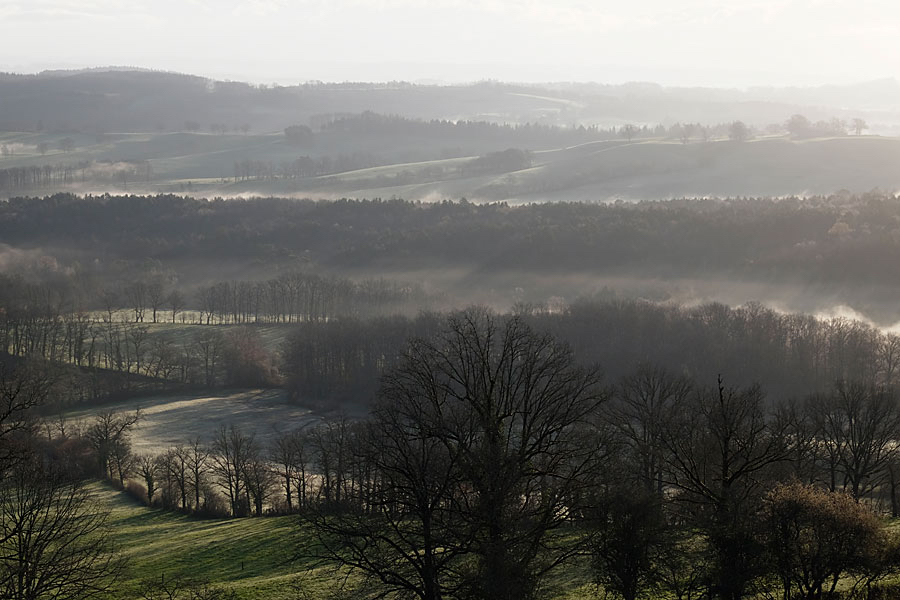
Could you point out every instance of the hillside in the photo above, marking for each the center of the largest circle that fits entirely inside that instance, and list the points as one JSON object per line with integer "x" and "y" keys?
{"x": 257, "y": 558}
{"x": 103, "y": 130}
{"x": 415, "y": 168}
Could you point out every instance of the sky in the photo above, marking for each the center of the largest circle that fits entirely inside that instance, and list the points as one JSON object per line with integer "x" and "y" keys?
{"x": 735, "y": 43}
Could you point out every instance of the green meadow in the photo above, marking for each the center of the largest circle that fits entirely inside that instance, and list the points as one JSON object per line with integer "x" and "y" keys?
{"x": 268, "y": 558}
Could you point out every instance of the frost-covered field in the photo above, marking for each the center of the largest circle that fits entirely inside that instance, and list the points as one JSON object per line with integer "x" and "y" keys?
{"x": 170, "y": 420}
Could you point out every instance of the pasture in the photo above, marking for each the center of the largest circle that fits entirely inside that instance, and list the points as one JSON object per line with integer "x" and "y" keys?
{"x": 267, "y": 558}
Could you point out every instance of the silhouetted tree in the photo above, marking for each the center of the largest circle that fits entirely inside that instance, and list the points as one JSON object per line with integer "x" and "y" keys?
{"x": 54, "y": 540}
{"x": 722, "y": 449}
{"x": 630, "y": 538}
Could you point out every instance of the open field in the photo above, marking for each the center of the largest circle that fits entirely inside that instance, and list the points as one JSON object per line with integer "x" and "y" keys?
{"x": 202, "y": 164}
{"x": 255, "y": 557}
{"x": 259, "y": 558}
{"x": 171, "y": 420}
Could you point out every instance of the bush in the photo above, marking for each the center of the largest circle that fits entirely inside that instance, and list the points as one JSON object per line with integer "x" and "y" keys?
{"x": 816, "y": 537}
{"x": 214, "y": 507}
{"x": 137, "y": 491}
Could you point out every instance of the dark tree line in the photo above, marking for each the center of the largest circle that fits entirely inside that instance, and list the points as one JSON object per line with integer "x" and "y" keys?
{"x": 822, "y": 241}
{"x": 791, "y": 355}
{"x": 460, "y": 132}
{"x": 65, "y": 319}
{"x": 18, "y": 179}
{"x": 301, "y": 297}
{"x": 304, "y": 166}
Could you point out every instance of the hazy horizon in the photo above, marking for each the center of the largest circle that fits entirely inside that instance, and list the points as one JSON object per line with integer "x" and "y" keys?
{"x": 698, "y": 43}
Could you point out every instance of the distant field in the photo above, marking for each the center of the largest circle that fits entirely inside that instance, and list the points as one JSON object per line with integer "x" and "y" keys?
{"x": 202, "y": 164}
{"x": 168, "y": 420}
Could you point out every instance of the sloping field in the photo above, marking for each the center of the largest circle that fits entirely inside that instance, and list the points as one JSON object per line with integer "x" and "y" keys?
{"x": 170, "y": 420}
{"x": 259, "y": 558}
{"x": 644, "y": 169}
{"x": 256, "y": 558}
{"x": 202, "y": 164}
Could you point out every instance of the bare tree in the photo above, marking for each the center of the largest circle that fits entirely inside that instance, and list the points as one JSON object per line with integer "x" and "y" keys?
{"x": 22, "y": 389}
{"x": 858, "y": 426}
{"x": 136, "y": 293}
{"x": 722, "y": 450}
{"x": 54, "y": 541}
{"x": 109, "y": 436}
{"x": 155, "y": 296}
{"x": 176, "y": 302}
{"x": 642, "y": 409}
{"x": 232, "y": 451}
{"x": 480, "y": 450}
{"x": 284, "y": 454}
{"x": 176, "y": 463}
{"x": 198, "y": 457}
{"x": 259, "y": 480}
{"x": 148, "y": 467}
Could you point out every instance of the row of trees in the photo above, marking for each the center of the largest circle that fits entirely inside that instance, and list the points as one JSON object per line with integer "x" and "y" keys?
{"x": 15, "y": 179}
{"x": 49, "y": 319}
{"x": 304, "y": 166}
{"x": 302, "y": 297}
{"x": 797, "y": 126}
{"x": 790, "y": 354}
{"x": 332, "y": 354}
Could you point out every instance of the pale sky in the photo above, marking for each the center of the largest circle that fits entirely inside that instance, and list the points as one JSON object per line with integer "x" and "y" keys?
{"x": 673, "y": 42}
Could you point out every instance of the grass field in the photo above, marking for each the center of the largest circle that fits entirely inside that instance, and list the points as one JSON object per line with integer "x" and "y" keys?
{"x": 254, "y": 557}
{"x": 259, "y": 558}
